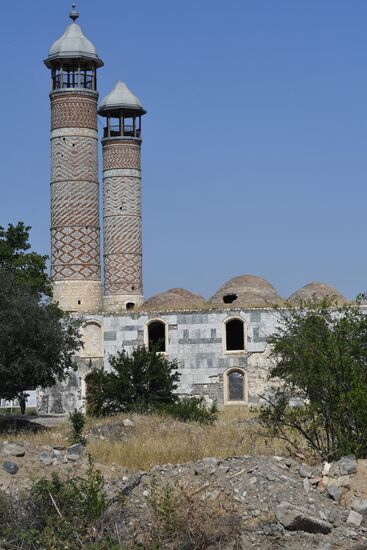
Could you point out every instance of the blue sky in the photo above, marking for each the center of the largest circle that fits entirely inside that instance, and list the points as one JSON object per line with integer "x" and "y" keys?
{"x": 254, "y": 153}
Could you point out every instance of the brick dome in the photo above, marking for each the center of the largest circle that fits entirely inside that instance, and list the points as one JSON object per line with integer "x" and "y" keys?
{"x": 317, "y": 291}
{"x": 174, "y": 299}
{"x": 246, "y": 291}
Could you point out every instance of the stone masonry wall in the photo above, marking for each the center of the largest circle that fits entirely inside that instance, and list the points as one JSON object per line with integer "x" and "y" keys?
{"x": 195, "y": 339}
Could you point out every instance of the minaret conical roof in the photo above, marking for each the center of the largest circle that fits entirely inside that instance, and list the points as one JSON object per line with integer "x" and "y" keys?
{"x": 73, "y": 44}
{"x": 121, "y": 97}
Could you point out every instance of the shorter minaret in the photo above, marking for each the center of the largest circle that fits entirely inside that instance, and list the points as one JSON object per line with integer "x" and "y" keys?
{"x": 123, "y": 284}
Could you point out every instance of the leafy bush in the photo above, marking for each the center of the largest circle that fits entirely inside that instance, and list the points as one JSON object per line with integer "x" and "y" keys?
{"x": 56, "y": 514}
{"x": 320, "y": 357}
{"x": 137, "y": 382}
{"x": 192, "y": 409}
{"x": 77, "y": 421}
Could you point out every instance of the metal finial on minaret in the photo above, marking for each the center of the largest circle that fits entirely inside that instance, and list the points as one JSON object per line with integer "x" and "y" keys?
{"x": 74, "y": 15}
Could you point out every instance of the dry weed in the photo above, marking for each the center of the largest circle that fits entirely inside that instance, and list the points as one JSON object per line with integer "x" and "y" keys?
{"x": 162, "y": 440}
{"x": 157, "y": 439}
{"x": 182, "y": 518}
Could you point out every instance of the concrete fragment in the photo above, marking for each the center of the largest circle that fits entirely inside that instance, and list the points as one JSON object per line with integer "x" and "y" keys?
{"x": 294, "y": 518}
{"x": 354, "y": 518}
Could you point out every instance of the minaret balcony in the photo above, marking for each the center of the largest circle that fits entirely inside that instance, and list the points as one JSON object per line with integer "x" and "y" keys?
{"x": 127, "y": 131}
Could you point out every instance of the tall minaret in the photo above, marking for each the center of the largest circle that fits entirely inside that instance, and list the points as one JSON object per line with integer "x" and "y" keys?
{"x": 122, "y": 200}
{"x": 75, "y": 231}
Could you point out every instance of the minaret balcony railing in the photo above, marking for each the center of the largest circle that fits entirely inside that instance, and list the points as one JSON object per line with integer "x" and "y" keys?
{"x": 65, "y": 81}
{"x": 116, "y": 131}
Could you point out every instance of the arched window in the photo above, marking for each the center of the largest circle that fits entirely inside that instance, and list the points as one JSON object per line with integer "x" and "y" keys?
{"x": 235, "y": 335}
{"x": 235, "y": 387}
{"x": 157, "y": 336}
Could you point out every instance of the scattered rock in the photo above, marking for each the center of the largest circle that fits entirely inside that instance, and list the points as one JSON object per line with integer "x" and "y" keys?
{"x": 127, "y": 423}
{"x": 306, "y": 484}
{"x": 354, "y": 518}
{"x": 77, "y": 449}
{"x": 348, "y": 465}
{"x": 11, "y": 449}
{"x": 334, "y": 492}
{"x": 73, "y": 457}
{"x": 326, "y": 468}
{"x": 10, "y": 467}
{"x": 46, "y": 458}
{"x": 305, "y": 471}
{"x": 358, "y": 505}
{"x": 210, "y": 461}
{"x": 343, "y": 481}
{"x": 294, "y": 518}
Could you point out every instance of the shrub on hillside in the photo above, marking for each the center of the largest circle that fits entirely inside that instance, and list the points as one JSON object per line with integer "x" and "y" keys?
{"x": 191, "y": 409}
{"x": 137, "y": 382}
{"x": 320, "y": 355}
{"x": 56, "y": 514}
{"x": 77, "y": 423}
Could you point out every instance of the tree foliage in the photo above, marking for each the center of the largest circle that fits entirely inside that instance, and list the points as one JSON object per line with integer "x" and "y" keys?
{"x": 37, "y": 340}
{"x": 320, "y": 352}
{"x": 26, "y": 266}
{"x": 137, "y": 382}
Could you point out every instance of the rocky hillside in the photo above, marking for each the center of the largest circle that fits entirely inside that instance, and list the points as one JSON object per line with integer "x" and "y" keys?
{"x": 236, "y": 502}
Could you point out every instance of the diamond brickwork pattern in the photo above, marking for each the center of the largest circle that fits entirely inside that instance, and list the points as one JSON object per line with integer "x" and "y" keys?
{"x": 72, "y": 110}
{"x": 75, "y": 234}
{"x": 121, "y": 155}
{"x": 74, "y": 203}
{"x": 75, "y": 253}
{"x": 123, "y": 274}
{"x": 121, "y": 196}
{"x": 74, "y": 158}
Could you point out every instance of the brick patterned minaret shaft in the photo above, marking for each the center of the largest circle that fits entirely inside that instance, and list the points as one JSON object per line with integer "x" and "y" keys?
{"x": 122, "y": 225}
{"x": 75, "y": 231}
{"x": 123, "y": 285}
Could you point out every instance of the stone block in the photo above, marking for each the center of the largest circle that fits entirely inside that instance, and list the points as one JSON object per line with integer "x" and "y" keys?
{"x": 110, "y": 336}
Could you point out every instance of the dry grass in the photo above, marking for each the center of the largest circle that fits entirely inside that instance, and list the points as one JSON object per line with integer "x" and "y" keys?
{"x": 157, "y": 439}
{"x": 54, "y": 436}
{"x": 161, "y": 440}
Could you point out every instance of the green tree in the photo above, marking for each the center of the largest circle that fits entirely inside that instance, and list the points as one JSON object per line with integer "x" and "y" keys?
{"x": 137, "y": 382}
{"x": 37, "y": 340}
{"x": 15, "y": 256}
{"x": 320, "y": 370}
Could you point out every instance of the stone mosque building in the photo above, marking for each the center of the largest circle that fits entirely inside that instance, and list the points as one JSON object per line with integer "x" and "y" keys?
{"x": 220, "y": 343}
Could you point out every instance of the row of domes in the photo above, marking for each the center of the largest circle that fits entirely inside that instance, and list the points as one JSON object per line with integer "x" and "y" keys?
{"x": 243, "y": 291}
